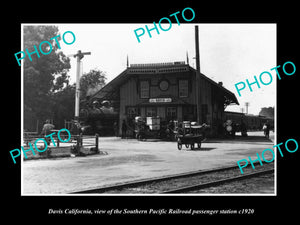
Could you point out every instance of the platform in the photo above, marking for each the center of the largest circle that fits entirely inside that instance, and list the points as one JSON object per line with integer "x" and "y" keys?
{"x": 129, "y": 159}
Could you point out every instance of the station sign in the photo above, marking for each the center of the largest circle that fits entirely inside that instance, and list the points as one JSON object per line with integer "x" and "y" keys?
{"x": 160, "y": 100}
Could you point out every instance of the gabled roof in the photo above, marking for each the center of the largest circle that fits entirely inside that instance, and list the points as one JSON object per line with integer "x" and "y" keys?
{"x": 111, "y": 89}
{"x": 228, "y": 95}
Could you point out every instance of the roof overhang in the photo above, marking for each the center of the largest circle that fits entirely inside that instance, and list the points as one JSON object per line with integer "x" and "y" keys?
{"x": 111, "y": 90}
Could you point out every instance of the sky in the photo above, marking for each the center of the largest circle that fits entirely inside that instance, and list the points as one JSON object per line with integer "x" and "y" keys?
{"x": 230, "y": 53}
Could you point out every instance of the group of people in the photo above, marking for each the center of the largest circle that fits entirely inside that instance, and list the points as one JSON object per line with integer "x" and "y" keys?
{"x": 123, "y": 128}
{"x": 47, "y": 129}
{"x": 230, "y": 129}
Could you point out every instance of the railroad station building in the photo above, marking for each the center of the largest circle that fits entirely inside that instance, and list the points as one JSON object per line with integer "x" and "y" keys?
{"x": 171, "y": 91}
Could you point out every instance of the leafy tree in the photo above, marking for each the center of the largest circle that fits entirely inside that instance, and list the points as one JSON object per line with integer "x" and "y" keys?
{"x": 91, "y": 82}
{"x": 64, "y": 105}
{"x": 267, "y": 112}
{"x": 43, "y": 75}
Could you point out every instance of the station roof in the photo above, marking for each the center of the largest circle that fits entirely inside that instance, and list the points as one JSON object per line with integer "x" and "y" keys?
{"x": 110, "y": 90}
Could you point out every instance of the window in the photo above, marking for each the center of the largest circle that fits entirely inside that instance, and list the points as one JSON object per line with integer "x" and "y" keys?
{"x": 151, "y": 111}
{"x": 171, "y": 113}
{"x": 144, "y": 89}
{"x": 183, "y": 88}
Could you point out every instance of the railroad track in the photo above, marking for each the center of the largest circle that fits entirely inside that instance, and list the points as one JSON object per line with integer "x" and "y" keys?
{"x": 184, "y": 182}
{"x": 217, "y": 182}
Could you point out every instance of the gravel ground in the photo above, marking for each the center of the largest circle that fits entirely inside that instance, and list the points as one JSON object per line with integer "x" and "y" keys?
{"x": 263, "y": 184}
{"x": 129, "y": 160}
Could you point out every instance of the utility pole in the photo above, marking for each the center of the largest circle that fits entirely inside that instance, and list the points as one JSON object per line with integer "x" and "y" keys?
{"x": 79, "y": 56}
{"x": 199, "y": 119}
{"x": 197, "y": 49}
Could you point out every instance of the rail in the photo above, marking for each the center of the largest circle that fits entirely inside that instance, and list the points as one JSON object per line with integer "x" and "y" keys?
{"x": 144, "y": 185}
{"x": 217, "y": 182}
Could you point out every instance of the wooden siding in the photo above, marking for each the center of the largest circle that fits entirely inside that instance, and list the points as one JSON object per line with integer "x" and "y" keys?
{"x": 210, "y": 96}
{"x": 129, "y": 91}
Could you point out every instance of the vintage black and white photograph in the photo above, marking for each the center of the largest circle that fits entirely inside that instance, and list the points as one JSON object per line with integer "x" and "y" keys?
{"x": 149, "y": 109}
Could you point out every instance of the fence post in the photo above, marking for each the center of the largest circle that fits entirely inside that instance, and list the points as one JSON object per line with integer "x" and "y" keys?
{"x": 80, "y": 135}
{"x": 97, "y": 142}
{"x": 57, "y": 141}
{"x": 78, "y": 143}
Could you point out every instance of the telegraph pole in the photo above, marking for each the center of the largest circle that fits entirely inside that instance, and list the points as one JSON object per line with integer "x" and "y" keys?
{"x": 199, "y": 119}
{"x": 79, "y": 56}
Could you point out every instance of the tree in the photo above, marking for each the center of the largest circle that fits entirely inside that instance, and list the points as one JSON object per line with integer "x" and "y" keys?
{"x": 267, "y": 112}
{"x": 91, "y": 82}
{"x": 64, "y": 105}
{"x": 43, "y": 75}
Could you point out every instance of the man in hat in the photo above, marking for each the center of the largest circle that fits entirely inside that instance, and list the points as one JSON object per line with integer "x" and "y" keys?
{"x": 124, "y": 129}
{"x": 266, "y": 129}
{"x": 47, "y": 130}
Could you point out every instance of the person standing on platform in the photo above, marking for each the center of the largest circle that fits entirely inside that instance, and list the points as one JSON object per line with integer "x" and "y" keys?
{"x": 266, "y": 129}
{"x": 124, "y": 129}
{"x": 116, "y": 128}
{"x": 243, "y": 129}
{"x": 47, "y": 130}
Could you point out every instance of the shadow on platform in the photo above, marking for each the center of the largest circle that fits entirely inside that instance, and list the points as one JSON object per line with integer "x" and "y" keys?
{"x": 239, "y": 139}
{"x": 203, "y": 149}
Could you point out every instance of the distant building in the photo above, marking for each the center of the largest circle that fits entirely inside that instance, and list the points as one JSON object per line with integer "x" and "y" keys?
{"x": 167, "y": 90}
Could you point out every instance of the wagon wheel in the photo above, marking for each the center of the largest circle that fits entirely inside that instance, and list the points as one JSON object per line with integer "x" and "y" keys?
{"x": 199, "y": 145}
{"x": 187, "y": 145}
{"x": 179, "y": 146}
{"x": 179, "y": 143}
{"x": 192, "y": 146}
